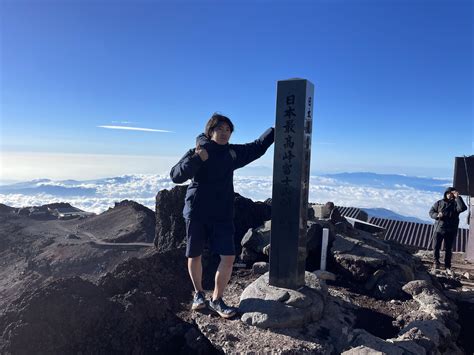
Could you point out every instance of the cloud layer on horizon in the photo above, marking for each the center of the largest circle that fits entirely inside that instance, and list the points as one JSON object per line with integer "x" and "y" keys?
{"x": 99, "y": 195}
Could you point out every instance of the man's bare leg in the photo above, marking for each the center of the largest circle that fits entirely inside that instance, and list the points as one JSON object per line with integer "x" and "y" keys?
{"x": 195, "y": 272}
{"x": 224, "y": 271}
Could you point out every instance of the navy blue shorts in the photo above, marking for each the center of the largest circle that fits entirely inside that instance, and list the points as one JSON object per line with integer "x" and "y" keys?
{"x": 220, "y": 234}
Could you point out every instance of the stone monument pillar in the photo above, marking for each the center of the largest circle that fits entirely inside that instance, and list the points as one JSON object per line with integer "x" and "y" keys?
{"x": 294, "y": 112}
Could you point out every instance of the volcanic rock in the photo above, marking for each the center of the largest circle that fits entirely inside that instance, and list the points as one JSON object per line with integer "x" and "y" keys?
{"x": 381, "y": 266}
{"x": 432, "y": 301}
{"x": 366, "y": 343}
{"x": 132, "y": 310}
{"x": 170, "y": 227}
{"x": 142, "y": 305}
{"x": 55, "y": 205}
{"x": 261, "y": 267}
{"x": 267, "y": 306}
{"x": 34, "y": 251}
{"x": 6, "y": 209}
{"x": 255, "y": 243}
{"x": 324, "y": 275}
{"x": 52, "y": 319}
{"x": 248, "y": 214}
{"x": 170, "y": 224}
{"x": 126, "y": 222}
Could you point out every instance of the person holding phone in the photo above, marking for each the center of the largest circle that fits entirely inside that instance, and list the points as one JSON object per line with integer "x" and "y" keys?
{"x": 446, "y": 214}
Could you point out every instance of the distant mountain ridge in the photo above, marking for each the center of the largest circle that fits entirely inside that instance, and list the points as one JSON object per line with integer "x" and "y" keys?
{"x": 375, "y": 191}
{"x": 393, "y": 181}
{"x": 388, "y": 214}
{"x": 357, "y": 178}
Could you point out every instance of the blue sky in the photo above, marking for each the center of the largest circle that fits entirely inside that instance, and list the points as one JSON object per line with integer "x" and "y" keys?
{"x": 393, "y": 81}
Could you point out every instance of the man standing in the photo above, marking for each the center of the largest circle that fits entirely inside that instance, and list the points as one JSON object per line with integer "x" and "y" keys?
{"x": 446, "y": 213}
{"x": 209, "y": 202}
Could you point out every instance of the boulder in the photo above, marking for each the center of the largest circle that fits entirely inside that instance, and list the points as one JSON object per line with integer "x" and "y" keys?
{"x": 319, "y": 211}
{"x": 325, "y": 275}
{"x": 366, "y": 343}
{"x": 261, "y": 267}
{"x": 409, "y": 347}
{"x": 357, "y": 258}
{"x": 388, "y": 284}
{"x": 267, "y": 306}
{"x": 255, "y": 243}
{"x": 383, "y": 268}
{"x": 432, "y": 301}
{"x": 434, "y": 324}
{"x": 432, "y": 335}
{"x": 170, "y": 231}
{"x": 248, "y": 214}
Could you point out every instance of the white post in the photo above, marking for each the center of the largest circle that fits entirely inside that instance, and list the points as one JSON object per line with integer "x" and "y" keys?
{"x": 470, "y": 241}
{"x": 324, "y": 249}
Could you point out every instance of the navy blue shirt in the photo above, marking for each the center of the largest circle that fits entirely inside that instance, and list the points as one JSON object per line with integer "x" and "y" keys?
{"x": 210, "y": 196}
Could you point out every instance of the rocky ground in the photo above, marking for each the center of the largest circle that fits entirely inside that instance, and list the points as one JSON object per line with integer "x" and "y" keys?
{"x": 96, "y": 285}
{"x": 358, "y": 316}
{"x": 37, "y": 250}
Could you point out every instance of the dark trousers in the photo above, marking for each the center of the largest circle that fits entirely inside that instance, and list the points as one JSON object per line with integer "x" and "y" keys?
{"x": 448, "y": 238}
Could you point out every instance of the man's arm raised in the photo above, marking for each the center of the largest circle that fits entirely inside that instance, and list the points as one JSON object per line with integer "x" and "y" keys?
{"x": 188, "y": 165}
{"x": 247, "y": 153}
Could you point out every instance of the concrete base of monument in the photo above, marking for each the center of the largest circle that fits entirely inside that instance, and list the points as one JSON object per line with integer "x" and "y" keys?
{"x": 266, "y": 306}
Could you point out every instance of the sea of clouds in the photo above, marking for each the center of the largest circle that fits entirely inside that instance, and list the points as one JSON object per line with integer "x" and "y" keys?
{"x": 404, "y": 195}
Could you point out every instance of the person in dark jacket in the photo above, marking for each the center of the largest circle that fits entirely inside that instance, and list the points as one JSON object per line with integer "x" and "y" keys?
{"x": 209, "y": 202}
{"x": 446, "y": 213}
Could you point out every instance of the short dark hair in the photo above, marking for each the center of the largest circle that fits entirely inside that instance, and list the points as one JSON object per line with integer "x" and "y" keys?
{"x": 215, "y": 120}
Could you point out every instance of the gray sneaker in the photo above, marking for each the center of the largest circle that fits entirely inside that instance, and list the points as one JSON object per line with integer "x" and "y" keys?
{"x": 199, "y": 301}
{"x": 449, "y": 272}
{"x": 222, "y": 309}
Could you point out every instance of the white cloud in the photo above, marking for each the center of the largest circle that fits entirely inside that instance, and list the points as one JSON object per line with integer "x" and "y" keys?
{"x": 140, "y": 188}
{"x": 128, "y": 128}
{"x": 143, "y": 188}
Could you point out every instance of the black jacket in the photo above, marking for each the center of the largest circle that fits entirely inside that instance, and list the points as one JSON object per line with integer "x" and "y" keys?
{"x": 211, "y": 192}
{"x": 451, "y": 209}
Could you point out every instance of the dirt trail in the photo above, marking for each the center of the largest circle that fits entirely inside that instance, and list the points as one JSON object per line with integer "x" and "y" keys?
{"x": 96, "y": 241}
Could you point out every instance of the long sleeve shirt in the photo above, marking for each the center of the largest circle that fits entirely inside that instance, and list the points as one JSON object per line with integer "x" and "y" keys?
{"x": 450, "y": 210}
{"x": 210, "y": 195}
